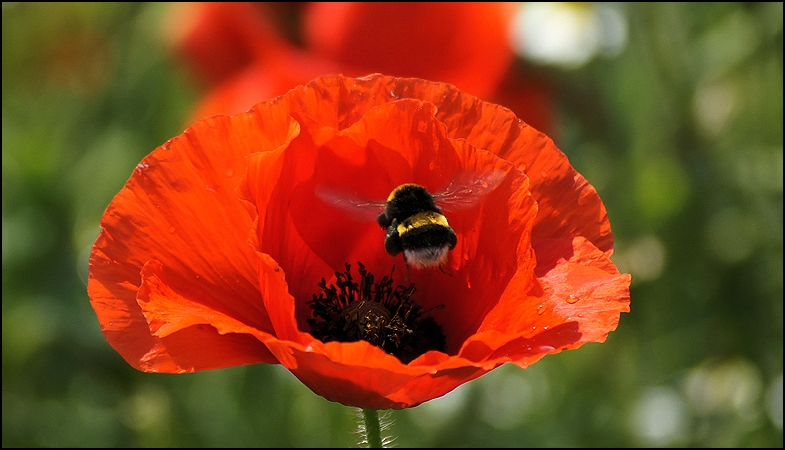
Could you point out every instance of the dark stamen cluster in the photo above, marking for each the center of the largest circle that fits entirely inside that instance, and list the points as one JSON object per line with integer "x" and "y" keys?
{"x": 387, "y": 317}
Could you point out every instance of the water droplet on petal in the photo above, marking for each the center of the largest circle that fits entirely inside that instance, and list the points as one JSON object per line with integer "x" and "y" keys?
{"x": 572, "y": 298}
{"x": 171, "y": 230}
{"x": 541, "y": 309}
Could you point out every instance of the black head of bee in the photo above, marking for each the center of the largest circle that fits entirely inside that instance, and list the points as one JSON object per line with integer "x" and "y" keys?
{"x": 405, "y": 201}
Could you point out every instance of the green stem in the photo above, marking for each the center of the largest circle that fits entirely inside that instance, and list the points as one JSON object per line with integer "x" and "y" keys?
{"x": 373, "y": 431}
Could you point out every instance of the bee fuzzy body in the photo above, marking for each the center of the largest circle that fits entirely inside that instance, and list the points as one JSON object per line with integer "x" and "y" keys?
{"x": 416, "y": 227}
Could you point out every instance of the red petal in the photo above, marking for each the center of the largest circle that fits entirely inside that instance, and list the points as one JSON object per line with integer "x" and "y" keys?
{"x": 359, "y": 374}
{"x": 193, "y": 329}
{"x": 584, "y": 286}
{"x": 465, "y": 44}
{"x": 178, "y": 208}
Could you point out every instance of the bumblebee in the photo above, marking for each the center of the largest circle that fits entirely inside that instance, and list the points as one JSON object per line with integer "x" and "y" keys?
{"x": 414, "y": 224}
{"x": 416, "y": 227}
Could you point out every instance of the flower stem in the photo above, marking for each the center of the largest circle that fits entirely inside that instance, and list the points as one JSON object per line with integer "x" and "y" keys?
{"x": 373, "y": 431}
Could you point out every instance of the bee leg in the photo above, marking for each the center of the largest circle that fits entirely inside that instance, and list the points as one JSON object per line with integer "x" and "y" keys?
{"x": 444, "y": 271}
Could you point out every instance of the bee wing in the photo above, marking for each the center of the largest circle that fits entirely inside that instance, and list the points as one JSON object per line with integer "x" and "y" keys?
{"x": 358, "y": 209}
{"x": 466, "y": 190}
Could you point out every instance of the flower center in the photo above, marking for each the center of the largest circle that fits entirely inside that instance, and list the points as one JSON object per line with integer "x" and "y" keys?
{"x": 384, "y": 316}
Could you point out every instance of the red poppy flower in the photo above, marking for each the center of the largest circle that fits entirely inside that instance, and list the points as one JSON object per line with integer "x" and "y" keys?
{"x": 239, "y": 50}
{"x": 210, "y": 254}
{"x": 465, "y": 43}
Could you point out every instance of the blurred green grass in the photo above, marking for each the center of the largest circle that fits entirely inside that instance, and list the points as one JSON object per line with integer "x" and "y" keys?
{"x": 681, "y": 134}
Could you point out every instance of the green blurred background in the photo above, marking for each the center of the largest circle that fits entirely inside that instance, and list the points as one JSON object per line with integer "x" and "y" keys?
{"x": 677, "y": 122}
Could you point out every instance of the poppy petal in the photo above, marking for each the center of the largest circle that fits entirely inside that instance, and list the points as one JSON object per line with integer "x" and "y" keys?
{"x": 178, "y": 208}
{"x": 586, "y": 287}
{"x": 462, "y": 43}
{"x": 180, "y": 314}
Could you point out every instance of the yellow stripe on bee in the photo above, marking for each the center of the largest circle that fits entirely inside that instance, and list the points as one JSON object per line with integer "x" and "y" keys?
{"x": 422, "y": 219}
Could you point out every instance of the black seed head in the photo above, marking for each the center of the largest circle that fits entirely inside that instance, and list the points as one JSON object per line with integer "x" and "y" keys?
{"x": 386, "y": 317}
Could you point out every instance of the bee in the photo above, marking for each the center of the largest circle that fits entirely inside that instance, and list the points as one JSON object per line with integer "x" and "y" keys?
{"x": 415, "y": 225}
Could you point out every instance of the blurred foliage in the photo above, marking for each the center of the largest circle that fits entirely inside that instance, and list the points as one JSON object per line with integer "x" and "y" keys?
{"x": 680, "y": 132}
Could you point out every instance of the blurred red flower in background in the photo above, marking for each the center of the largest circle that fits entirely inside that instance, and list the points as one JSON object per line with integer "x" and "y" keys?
{"x": 241, "y": 52}
{"x": 210, "y": 253}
